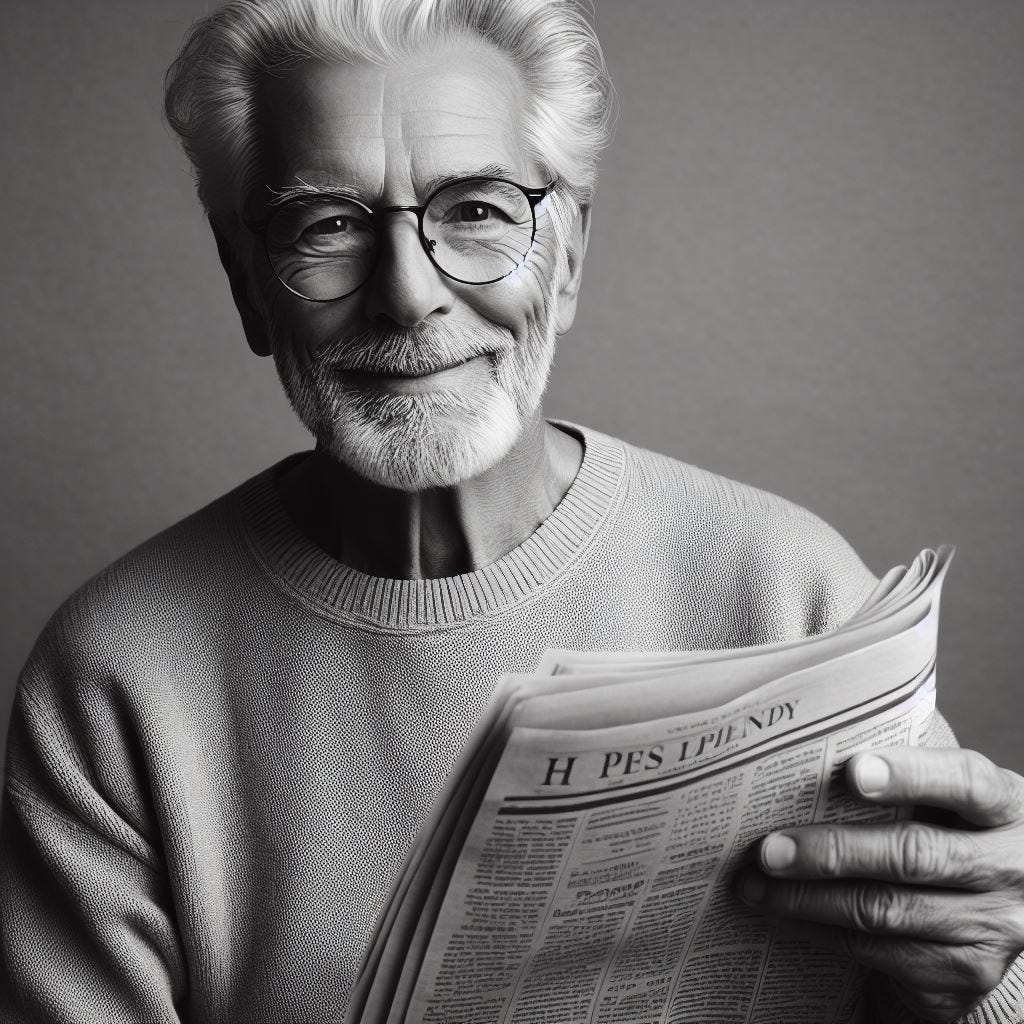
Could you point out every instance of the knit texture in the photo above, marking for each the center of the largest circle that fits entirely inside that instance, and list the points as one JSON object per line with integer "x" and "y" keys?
{"x": 223, "y": 745}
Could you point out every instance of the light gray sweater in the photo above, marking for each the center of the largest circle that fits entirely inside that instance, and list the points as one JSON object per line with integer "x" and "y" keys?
{"x": 223, "y": 745}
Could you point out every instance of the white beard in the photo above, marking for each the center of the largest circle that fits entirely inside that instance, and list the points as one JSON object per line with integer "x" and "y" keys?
{"x": 412, "y": 442}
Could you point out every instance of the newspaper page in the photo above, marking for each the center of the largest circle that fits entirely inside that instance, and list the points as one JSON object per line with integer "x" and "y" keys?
{"x": 594, "y": 885}
{"x": 583, "y": 874}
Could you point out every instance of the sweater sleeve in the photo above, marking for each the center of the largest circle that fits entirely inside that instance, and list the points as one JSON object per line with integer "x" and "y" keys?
{"x": 1003, "y": 1005}
{"x": 87, "y": 932}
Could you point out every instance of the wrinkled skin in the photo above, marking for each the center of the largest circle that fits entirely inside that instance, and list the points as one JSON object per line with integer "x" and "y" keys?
{"x": 937, "y": 908}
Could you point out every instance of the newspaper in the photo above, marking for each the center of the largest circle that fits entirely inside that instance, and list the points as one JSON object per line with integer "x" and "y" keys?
{"x": 578, "y": 867}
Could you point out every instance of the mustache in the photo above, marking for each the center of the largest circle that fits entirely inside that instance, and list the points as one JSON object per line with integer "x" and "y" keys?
{"x": 411, "y": 351}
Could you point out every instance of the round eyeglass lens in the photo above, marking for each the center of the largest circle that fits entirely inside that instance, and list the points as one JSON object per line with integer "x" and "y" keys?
{"x": 321, "y": 248}
{"x": 479, "y": 231}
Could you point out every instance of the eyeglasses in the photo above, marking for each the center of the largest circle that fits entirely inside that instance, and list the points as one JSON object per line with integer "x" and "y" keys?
{"x": 476, "y": 231}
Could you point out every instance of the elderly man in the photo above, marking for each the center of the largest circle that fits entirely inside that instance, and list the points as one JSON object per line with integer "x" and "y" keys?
{"x": 223, "y": 745}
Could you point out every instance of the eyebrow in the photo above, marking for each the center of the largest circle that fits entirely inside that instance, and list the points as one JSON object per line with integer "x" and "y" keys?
{"x": 487, "y": 171}
{"x": 305, "y": 189}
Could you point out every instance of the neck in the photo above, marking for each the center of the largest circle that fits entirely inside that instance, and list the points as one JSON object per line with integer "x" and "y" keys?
{"x": 444, "y": 531}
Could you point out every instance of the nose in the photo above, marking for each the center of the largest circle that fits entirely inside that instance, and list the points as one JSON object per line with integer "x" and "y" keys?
{"x": 405, "y": 286}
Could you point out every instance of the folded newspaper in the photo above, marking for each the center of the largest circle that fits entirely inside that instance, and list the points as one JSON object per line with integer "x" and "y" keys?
{"x": 578, "y": 866}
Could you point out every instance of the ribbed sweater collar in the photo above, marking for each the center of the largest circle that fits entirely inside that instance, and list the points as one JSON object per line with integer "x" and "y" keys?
{"x": 339, "y": 591}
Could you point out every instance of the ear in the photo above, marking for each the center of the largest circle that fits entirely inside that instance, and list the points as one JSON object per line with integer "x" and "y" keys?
{"x": 565, "y": 312}
{"x": 252, "y": 322}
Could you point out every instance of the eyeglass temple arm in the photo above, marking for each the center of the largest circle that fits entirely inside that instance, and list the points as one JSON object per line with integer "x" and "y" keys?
{"x": 535, "y": 195}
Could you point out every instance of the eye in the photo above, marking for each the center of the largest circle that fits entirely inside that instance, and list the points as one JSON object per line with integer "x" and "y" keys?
{"x": 337, "y": 234}
{"x": 329, "y": 226}
{"x": 470, "y": 212}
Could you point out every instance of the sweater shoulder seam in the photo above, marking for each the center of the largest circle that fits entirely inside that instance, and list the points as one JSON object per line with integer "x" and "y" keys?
{"x": 720, "y": 490}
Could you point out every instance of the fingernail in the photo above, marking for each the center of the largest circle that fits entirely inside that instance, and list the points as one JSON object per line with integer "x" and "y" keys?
{"x": 753, "y": 886}
{"x": 872, "y": 774}
{"x": 778, "y": 852}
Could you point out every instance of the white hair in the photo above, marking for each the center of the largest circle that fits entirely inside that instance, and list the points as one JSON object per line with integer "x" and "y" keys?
{"x": 211, "y": 88}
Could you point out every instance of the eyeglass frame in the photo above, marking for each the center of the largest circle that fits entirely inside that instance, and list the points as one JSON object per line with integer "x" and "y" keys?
{"x": 534, "y": 196}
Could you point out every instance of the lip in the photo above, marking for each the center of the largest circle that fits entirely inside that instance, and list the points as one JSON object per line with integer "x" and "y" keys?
{"x": 395, "y": 382}
{"x": 397, "y": 375}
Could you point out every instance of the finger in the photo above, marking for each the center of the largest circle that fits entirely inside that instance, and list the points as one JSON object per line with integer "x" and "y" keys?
{"x": 963, "y": 781}
{"x": 879, "y": 908}
{"x": 907, "y": 852}
{"x": 933, "y": 973}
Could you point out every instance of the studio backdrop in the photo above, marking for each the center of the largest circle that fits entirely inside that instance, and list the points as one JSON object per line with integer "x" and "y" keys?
{"x": 806, "y": 272}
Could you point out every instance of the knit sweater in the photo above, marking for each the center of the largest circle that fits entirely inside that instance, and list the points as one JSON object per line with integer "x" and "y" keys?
{"x": 197, "y": 825}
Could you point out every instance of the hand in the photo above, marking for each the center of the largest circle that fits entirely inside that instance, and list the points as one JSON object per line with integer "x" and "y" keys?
{"x": 940, "y": 910}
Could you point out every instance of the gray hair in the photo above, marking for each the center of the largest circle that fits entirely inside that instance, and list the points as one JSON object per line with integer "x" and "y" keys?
{"x": 210, "y": 89}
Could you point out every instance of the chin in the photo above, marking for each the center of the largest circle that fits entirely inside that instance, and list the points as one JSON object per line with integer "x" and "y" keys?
{"x": 418, "y": 442}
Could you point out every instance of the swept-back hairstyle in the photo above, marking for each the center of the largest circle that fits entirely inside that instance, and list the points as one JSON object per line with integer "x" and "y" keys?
{"x": 211, "y": 89}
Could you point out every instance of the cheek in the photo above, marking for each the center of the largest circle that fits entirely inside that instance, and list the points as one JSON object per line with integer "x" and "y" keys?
{"x": 517, "y": 302}
{"x": 308, "y": 327}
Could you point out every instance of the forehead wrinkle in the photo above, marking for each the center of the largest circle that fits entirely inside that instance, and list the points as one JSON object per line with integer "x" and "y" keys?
{"x": 442, "y": 136}
{"x": 438, "y": 123}
{"x": 467, "y": 79}
{"x": 461, "y": 115}
{"x": 358, "y": 126}
{"x": 414, "y": 126}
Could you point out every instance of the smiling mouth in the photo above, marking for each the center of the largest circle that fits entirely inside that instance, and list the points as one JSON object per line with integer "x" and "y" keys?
{"x": 386, "y": 373}
{"x": 434, "y": 378}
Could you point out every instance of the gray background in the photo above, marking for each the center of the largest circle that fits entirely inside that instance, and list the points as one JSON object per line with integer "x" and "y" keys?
{"x": 806, "y": 272}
